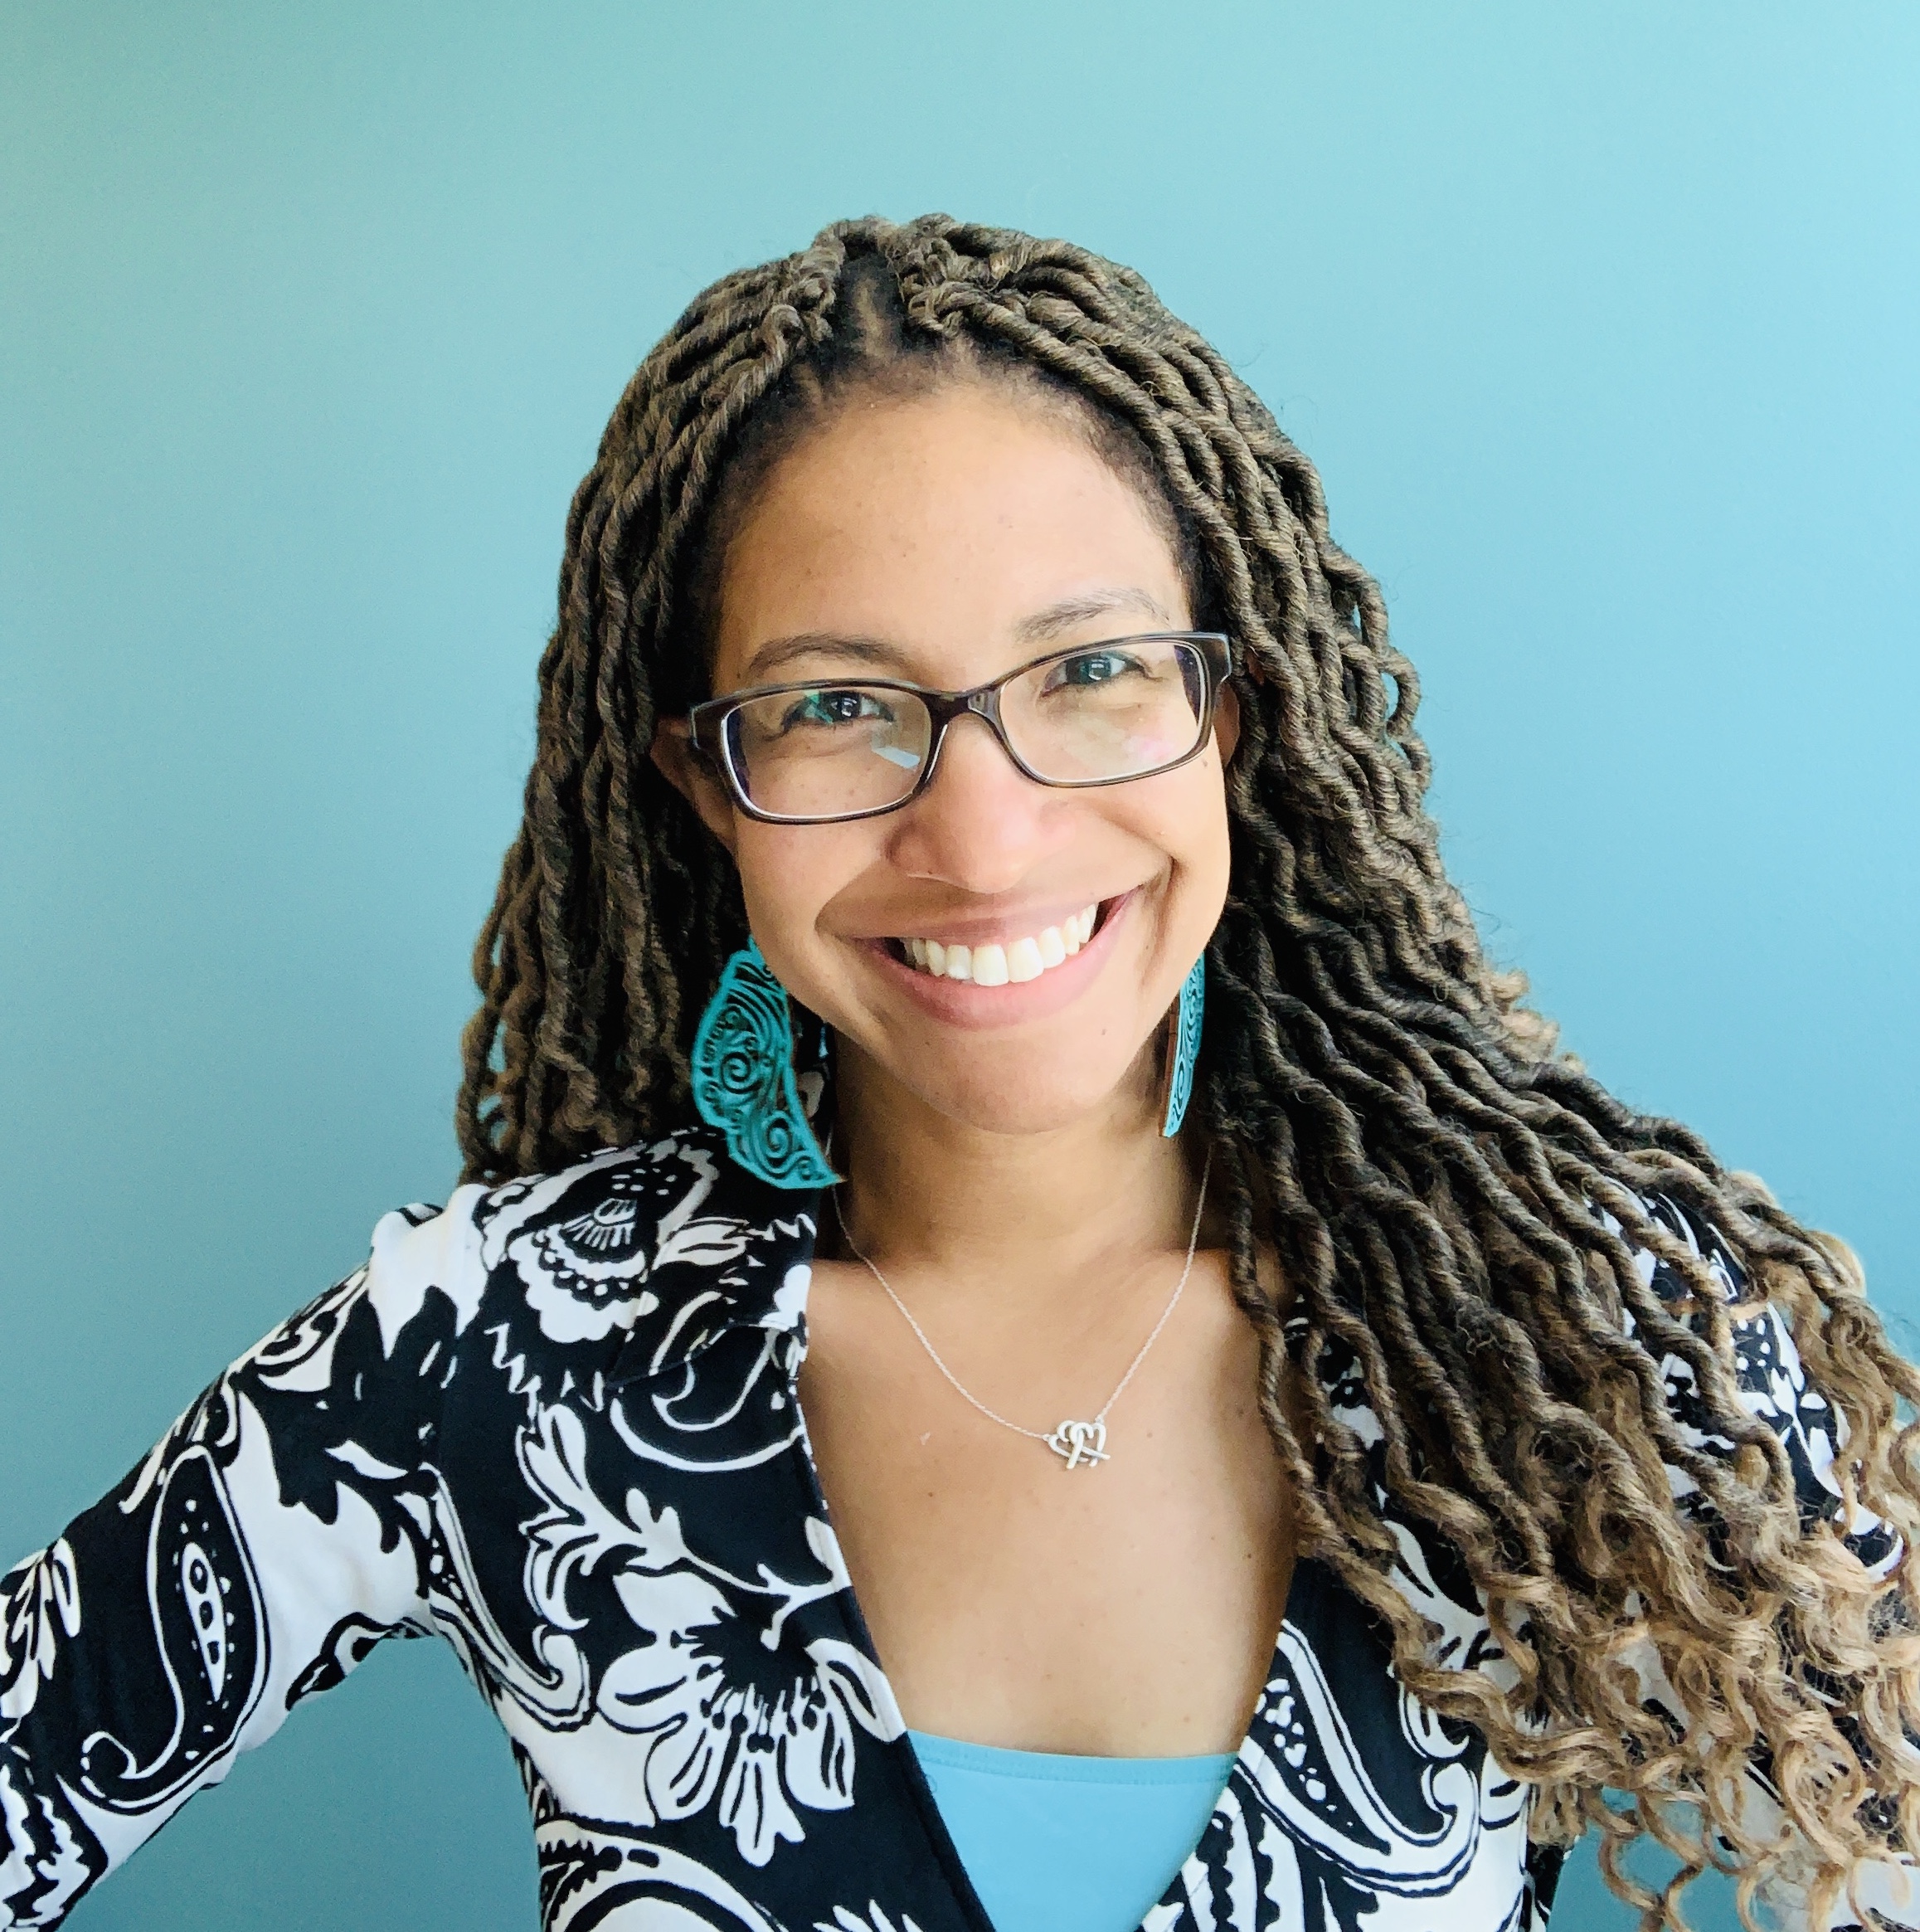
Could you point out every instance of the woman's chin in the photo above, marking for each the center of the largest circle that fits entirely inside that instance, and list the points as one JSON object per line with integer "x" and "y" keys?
{"x": 1036, "y": 1100}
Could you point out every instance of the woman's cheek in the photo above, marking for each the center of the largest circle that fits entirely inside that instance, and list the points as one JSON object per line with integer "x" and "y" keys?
{"x": 788, "y": 875}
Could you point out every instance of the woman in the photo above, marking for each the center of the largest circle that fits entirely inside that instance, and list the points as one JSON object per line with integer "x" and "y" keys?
{"x": 975, "y": 974}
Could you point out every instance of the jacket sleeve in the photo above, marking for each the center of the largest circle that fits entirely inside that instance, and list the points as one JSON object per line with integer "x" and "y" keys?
{"x": 1773, "y": 1386}
{"x": 278, "y": 1531}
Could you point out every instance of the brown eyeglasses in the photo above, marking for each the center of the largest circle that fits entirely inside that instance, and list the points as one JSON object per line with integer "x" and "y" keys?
{"x": 832, "y": 749}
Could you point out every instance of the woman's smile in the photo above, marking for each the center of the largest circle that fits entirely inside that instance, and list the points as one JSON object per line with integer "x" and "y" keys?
{"x": 989, "y": 962}
{"x": 1003, "y": 972}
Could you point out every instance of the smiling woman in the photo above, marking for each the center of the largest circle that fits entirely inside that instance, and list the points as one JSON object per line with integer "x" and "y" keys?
{"x": 973, "y": 791}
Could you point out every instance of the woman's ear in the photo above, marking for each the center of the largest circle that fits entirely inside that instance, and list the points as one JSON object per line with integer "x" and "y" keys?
{"x": 693, "y": 777}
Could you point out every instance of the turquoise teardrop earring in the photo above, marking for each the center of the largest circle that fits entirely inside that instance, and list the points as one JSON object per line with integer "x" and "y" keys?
{"x": 1184, "y": 1046}
{"x": 743, "y": 1076}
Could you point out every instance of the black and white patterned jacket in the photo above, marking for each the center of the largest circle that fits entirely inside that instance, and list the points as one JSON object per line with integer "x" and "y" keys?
{"x": 556, "y": 1424}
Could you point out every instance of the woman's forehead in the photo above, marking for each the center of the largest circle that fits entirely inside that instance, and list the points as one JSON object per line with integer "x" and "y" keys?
{"x": 952, "y": 522}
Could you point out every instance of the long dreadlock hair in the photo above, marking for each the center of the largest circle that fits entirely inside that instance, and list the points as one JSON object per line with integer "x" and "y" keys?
{"x": 1449, "y": 1199}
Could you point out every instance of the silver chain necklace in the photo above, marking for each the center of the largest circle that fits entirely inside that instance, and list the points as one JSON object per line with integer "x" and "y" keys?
{"x": 1078, "y": 1445}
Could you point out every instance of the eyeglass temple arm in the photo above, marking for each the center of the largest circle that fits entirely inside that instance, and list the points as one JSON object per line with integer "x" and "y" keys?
{"x": 702, "y": 751}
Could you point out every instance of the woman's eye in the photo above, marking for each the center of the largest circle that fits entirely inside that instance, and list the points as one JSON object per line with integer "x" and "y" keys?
{"x": 1093, "y": 667}
{"x": 831, "y": 707}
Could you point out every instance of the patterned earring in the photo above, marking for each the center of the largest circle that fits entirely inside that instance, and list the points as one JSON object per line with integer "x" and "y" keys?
{"x": 743, "y": 1076}
{"x": 1184, "y": 1046}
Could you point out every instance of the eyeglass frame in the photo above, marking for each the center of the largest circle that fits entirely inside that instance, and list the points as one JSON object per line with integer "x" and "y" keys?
{"x": 980, "y": 701}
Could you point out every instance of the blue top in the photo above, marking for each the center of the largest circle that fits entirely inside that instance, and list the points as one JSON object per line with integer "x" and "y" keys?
{"x": 1061, "y": 1844}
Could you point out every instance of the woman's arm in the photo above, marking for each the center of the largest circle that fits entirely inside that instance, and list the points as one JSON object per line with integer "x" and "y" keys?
{"x": 278, "y": 1531}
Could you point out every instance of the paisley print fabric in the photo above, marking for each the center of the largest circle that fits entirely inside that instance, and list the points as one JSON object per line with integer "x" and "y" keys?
{"x": 556, "y": 1424}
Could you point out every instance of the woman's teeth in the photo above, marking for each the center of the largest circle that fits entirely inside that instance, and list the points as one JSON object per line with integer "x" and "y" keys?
{"x": 995, "y": 965}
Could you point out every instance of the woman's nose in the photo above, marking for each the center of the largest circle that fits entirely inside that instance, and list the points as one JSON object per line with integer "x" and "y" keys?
{"x": 981, "y": 824}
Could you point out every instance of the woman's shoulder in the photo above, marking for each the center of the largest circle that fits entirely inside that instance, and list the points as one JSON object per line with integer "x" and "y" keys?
{"x": 1770, "y": 1379}
{"x": 1689, "y": 1265}
{"x": 628, "y": 1262}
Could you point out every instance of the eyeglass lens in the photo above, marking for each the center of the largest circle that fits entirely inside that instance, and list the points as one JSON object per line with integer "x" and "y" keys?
{"x": 828, "y": 750}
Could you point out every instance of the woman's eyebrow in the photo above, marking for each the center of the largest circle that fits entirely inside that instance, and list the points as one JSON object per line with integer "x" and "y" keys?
{"x": 1072, "y": 612}
{"x": 779, "y": 652}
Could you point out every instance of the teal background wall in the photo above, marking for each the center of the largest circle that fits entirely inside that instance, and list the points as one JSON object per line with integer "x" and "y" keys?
{"x": 1599, "y": 318}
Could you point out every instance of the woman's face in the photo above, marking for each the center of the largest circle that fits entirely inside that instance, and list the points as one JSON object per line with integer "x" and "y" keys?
{"x": 948, "y": 539}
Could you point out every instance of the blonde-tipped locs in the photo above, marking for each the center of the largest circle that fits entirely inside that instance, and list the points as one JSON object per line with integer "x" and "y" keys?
{"x": 1382, "y": 1112}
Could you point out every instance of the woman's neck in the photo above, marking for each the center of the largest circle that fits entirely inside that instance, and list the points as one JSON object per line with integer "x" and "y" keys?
{"x": 986, "y": 1208}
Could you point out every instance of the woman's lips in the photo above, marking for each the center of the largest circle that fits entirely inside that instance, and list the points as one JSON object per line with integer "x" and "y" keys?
{"x": 970, "y": 1002}
{"x": 997, "y": 963}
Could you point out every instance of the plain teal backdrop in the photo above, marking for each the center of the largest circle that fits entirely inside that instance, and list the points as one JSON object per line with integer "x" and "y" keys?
{"x": 1599, "y": 318}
